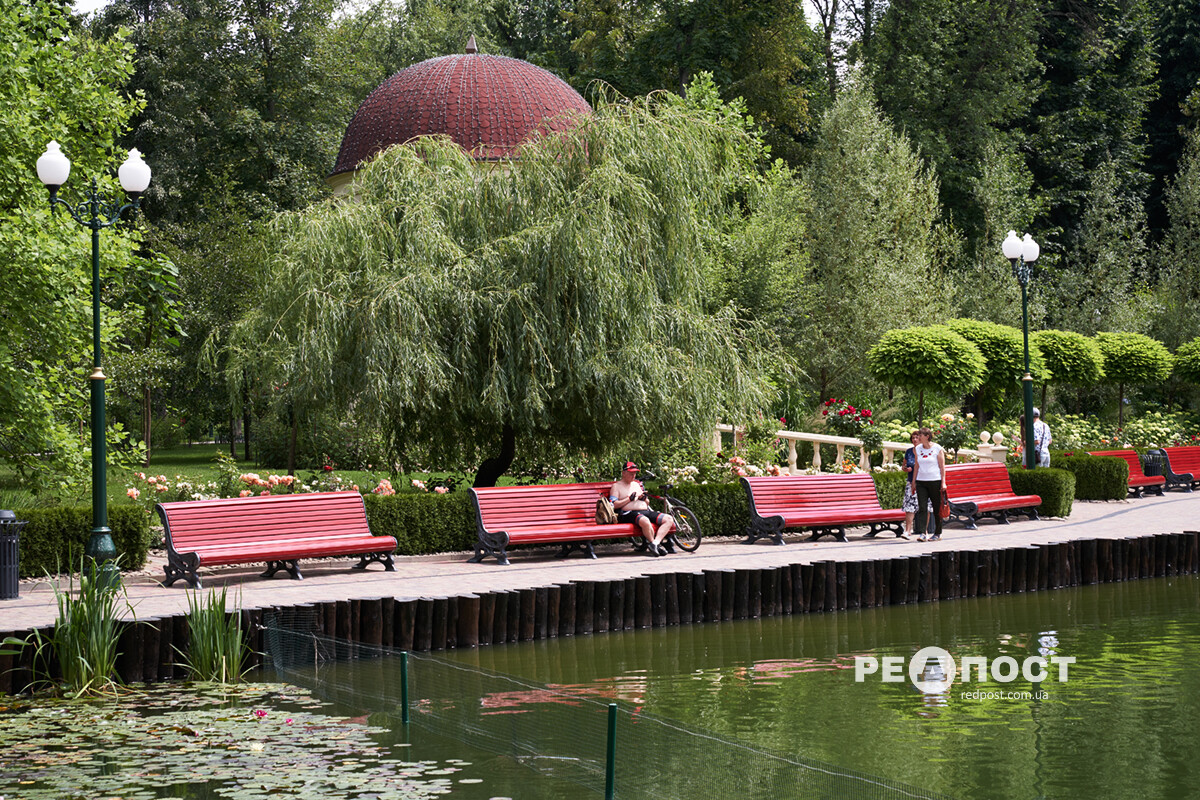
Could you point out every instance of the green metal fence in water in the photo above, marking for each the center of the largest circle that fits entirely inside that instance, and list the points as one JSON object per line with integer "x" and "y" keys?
{"x": 556, "y": 731}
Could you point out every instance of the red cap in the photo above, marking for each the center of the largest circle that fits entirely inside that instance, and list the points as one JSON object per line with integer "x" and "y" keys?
{"x": 630, "y": 467}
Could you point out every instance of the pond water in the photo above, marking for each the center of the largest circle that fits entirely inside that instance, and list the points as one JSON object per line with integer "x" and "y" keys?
{"x": 1124, "y": 723}
{"x": 765, "y": 708}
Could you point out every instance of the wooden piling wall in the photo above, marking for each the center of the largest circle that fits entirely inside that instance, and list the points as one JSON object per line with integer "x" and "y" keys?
{"x": 151, "y": 649}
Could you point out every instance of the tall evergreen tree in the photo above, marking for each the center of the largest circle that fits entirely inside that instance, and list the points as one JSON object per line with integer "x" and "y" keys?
{"x": 870, "y": 240}
{"x": 1177, "y": 45}
{"x": 957, "y": 77}
{"x": 1099, "y": 78}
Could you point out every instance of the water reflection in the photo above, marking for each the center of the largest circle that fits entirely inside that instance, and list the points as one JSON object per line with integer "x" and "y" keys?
{"x": 1124, "y": 724}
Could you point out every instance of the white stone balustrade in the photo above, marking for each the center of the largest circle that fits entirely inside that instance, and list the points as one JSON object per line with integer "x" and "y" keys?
{"x": 994, "y": 451}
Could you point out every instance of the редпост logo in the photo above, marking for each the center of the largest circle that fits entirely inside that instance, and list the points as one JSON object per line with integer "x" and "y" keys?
{"x": 932, "y": 669}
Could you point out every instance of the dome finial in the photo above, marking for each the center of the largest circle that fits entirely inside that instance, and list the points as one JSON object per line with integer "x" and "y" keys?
{"x": 471, "y": 46}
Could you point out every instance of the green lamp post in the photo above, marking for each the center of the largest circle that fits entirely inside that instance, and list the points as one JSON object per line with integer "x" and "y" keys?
{"x": 1021, "y": 253}
{"x": 96, "y": 213}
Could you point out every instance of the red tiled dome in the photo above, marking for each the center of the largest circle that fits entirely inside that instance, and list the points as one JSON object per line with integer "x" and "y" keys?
{"x": 487, "y": 104}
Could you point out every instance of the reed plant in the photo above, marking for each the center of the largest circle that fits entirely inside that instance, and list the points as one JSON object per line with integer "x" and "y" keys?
{"x": 217, "y": 648}
{"x": 79, "y": 657}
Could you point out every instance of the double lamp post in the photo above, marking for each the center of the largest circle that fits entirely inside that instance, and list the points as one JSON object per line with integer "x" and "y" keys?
{"x": 1021, "y": 253}
{"x": 96, "y": 213}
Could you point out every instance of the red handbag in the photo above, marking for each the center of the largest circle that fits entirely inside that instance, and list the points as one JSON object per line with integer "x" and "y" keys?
{"x": 944, "y": 511}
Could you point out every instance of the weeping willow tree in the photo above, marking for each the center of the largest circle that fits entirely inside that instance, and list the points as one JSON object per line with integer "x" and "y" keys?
{"x": 473, "y": 312}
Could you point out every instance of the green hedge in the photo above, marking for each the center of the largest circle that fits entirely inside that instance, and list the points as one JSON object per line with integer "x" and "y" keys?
{"x": 1055, "y": 486}
{"x": 890, "y": 488}
{"x": 55, "y": 538}
{"x": 722, "y": 508}
{"x": 1096, "y": 477}
{"x": 424, "y": 523}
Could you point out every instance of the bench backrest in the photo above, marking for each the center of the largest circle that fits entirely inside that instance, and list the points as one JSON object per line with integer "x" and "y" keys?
{"x": 238, "y": 520}
{"x": 503, "y": 508}
{"x": 977, "y": 480}
{"x": 773, "y": 495}
{"x": 1133, "y": 459}
{"x": 1183, "y": 459}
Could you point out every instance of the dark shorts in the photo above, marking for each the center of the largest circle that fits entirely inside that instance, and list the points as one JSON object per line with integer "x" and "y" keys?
{"x": 631, "y": 517}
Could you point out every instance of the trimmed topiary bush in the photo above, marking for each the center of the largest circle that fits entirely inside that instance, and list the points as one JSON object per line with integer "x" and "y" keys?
{"x": 1056, "y": 487}
{"x": 55, "y": 538}
{"x": 1096, "y": 477}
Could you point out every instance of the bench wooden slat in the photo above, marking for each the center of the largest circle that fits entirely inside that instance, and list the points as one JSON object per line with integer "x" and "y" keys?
{"x": 825, "y": 504}
{"x": 278, "y": 529}
{"x": 985, "y": 489}
{"x": 563, "y": 513}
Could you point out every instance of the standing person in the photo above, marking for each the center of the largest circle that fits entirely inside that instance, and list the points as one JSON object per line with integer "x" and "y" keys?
{"x": 909, "y": 505}
{"x": 1041, "y": 439}
{"x": 930, "y": 481}
{"x": 628, "y": 497}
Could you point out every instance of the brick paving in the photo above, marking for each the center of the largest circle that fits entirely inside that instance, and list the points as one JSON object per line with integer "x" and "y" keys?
{"x": 449, "y": 574}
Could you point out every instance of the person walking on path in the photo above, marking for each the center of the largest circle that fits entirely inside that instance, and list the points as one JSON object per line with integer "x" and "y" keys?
{"x": 1041, "y": 439}
{"x": 930, "y": 481}
{"x": 628, "y": 497}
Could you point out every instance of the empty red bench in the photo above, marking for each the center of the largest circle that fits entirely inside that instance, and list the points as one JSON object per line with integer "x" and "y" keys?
{"x": 985, "y": 490}
{"x": 1139, "y": 481}
{"x": 824, "y": 504}
{"x": 278, "y": 529}
{"x": 1180, "y": 465}
{"x": 560, "y": 513}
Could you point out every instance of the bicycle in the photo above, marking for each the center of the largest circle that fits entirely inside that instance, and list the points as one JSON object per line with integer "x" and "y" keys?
{"x": 686, "y": 535}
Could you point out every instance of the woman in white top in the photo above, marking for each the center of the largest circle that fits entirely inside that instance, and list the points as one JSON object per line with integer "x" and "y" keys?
{"x": 930, "y": 481}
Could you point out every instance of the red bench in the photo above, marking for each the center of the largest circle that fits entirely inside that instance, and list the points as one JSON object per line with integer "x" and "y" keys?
{"x": 985, "y": 490}
{"x": 560, "y": 513}
{"x": 824, "y": 504}
{"x": 1139, "y": 481}
{"x": 278, "y": 529}
{"x": 1180, "y": 465}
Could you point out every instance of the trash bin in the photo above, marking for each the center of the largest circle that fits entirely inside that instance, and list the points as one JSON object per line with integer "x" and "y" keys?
{"x": 10, "y": 554}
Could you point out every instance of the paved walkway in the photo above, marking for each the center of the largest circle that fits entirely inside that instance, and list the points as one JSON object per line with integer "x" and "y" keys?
{"x": 448, "y": 574}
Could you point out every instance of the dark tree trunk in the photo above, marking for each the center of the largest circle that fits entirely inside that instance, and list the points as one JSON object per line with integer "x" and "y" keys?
{"x": 245, "y": 422}
{"x": 147, "y": 421}
{"x": 232, "y": 435}
{"x": 492, "y": 468}
{"x": 920, "y": 407}
{"x": 1121, "y": 406}
{"x": 1044, "y": 398}
{"x": 291, "y": 465}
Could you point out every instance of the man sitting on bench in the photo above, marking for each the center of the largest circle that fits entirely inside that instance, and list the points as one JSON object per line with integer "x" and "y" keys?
{"x": 629, "y": 497}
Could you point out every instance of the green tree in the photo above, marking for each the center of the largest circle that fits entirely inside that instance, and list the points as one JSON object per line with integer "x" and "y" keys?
{"x": 956, "y": 77}
{"x": 1187, "y": 362}
{"x": 474, "y": 312}
{"x": 1071, "y": 359}
{"x": 933, "y": 358}
{"x": 1178, "y": 318}
{"x": 1007, "y": 200}
{"x": 1098, "y": 80}
{"x": 760, "y": 264}
{"x": 1178, "y": 49}
{"x": 1003, "y": 350}
{"x": 1101, "y": 283}
{"x": 1132, "y": 359}
{"x": 871, "y": 240}
{"x": 59, "y": 84}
